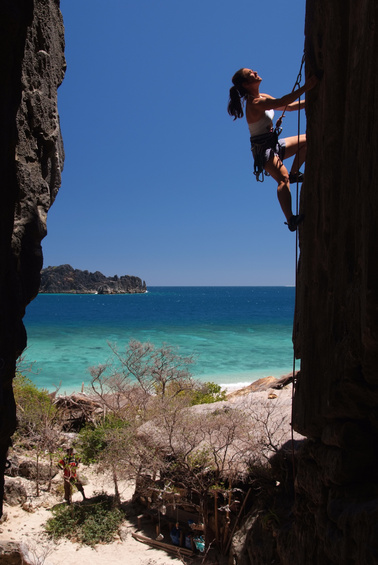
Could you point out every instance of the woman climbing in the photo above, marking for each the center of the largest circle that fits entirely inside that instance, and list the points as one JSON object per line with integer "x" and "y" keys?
{"x": 269, "y": 151}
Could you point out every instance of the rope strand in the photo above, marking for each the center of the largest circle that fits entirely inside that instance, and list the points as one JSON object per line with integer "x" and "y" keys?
{"x": 297, "y": 84}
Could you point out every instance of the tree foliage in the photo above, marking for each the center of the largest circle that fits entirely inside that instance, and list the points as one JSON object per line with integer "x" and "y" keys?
{"x": 34, "y": 406}
{"x": 131, "y": 378}
{"x": 207, "y": 393}
{"x": 36, "y": 419}
{"x": 108, "y": 446}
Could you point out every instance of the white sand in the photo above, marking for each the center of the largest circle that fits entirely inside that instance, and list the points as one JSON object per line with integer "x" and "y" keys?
{"x": 27, "y": 528}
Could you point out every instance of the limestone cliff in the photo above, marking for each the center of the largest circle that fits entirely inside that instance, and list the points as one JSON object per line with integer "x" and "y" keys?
{"x": 332, "y": 516}
{"x": 32, "y": 67}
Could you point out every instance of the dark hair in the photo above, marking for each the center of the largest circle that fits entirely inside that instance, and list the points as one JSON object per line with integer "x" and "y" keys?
{"x": 237, "y": 93}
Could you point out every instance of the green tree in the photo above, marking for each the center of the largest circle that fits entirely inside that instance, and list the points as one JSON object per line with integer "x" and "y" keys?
{"x": 108, "y": 446}
{"x": 207, "y": 393}
{"x": 36, "y": 419}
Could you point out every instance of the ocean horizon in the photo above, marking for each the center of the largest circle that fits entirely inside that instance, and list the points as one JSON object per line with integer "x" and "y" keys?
{"x": 236, "y": 334}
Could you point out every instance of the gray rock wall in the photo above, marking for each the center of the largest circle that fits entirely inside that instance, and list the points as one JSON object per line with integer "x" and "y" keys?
{"x": 32, "y": 67}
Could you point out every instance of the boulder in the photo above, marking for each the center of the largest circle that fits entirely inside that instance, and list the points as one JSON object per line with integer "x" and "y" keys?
{"x": 12, "y": 553}
{"x": 28, "y": 470}
{"x": 14, "y": 492}
{"x": 11, "y": 467}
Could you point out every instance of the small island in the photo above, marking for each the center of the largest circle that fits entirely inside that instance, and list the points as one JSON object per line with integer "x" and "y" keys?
{"x": 66, "y": 279}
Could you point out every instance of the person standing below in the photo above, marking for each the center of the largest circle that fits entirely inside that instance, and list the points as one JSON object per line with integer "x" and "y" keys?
{"x": 69, "y": 464}
{"x": 269, "y": 151}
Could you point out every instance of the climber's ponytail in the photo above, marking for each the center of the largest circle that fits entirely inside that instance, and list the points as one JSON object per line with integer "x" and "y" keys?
{"x": 237, "y": 95}
{"x": 235, "y": 107}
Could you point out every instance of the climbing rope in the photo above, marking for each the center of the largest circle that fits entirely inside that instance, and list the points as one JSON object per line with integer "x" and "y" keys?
{"x": 297, "y": 84}
{"x": 278, "y": 124}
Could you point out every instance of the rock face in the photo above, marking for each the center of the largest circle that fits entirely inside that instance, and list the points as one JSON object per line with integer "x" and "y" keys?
{"x": 337, "y": 296}
{"x": 32, "y": 67}
{"x": 68, "y": 280}
{"x": 334, "y": 517}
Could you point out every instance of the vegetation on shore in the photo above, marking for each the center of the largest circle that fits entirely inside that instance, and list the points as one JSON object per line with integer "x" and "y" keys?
{"x": 94, "y": 523}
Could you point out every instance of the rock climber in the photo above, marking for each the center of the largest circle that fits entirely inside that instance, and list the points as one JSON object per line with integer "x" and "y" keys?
{"x": 269, "y": 151}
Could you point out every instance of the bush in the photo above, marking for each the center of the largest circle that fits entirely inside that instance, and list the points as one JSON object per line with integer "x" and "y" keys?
{"x": 34, "y": 405}
{"x": 208, "y": 393}
{"x": 93, "y": 441}
{"x": 89, "y": 524}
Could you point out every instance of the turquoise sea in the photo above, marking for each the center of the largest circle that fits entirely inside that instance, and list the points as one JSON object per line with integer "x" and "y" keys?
{"x": 237, "y": 334}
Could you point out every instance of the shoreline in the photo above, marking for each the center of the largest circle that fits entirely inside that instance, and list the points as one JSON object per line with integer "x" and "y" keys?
{"x": 234, "y": 336}
{"x": 229, "y": 387}
{"x": 226, "y": 381}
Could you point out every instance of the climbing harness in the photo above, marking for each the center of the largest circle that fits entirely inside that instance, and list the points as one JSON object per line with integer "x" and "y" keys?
{"x": 269, "y": 141}
{"x": 259, "y": 145}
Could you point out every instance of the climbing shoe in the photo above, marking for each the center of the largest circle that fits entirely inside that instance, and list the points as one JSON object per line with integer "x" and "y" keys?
{"x": 296, "y": 177}
{"x": 294, "y": 222}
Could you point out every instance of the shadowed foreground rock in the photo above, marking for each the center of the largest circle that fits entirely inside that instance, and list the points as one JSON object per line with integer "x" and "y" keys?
{"x": 32, "y": 67}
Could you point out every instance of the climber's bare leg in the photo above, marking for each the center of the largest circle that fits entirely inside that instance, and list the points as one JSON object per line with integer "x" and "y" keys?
{"x": 292, "y": 147}
{"x": 278, "y": 171}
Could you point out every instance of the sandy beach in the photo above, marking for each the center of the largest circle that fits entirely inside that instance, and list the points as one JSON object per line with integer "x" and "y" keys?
{"x": 25, "y": 524}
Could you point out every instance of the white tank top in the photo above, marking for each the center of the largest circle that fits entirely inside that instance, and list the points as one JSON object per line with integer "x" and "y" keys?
{"x": 264, "y": 125}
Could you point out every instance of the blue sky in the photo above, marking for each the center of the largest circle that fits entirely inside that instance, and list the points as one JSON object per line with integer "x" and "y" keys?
{"x": 158, "y": 178}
